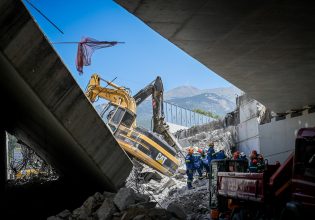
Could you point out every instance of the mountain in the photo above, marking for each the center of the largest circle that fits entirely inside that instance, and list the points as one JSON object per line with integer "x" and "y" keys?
{"x": 210, "y": 102}
{"x": 229, "y": 93}
{"x": 181, "y": 92}
{"x": 218, "y": 100}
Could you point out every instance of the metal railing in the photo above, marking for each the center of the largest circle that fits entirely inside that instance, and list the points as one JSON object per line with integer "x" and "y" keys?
{"x": 182, "y": 116}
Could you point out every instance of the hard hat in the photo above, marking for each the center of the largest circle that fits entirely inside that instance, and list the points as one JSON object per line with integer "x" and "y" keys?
{"x": 195, "y": 149}
{"x": 190, "y": 150}
{"x": 200, "y": 151}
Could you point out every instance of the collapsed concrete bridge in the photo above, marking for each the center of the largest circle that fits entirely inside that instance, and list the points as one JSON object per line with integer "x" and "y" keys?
{"x": 265, "y": 48}
{"x": 43, "y": 106}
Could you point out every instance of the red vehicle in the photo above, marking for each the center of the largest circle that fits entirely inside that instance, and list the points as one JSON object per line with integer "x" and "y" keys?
{"x": 279, "y": 192}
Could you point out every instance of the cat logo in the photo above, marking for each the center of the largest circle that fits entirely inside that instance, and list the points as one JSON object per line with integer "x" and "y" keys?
{"x": 161, "y": 158}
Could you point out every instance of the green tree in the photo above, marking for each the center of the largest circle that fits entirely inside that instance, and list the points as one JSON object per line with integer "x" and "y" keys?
{"x": 206, "y": 113}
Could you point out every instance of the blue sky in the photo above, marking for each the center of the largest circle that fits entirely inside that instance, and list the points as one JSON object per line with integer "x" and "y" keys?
{"x": 136, "y": 63}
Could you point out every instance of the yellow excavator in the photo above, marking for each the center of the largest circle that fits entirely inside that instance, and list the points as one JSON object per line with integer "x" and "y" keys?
{"x": 120, "y": 115}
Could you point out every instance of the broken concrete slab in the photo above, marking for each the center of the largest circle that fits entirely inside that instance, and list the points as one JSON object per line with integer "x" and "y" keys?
{"x": 177, "y": 210}
{"x": 124, "y": 198}
{"x": 106, "y": 210}
{"x": 47, "y": 110}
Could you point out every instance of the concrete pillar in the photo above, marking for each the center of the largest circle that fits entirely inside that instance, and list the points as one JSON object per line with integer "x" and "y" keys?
{"x": 3, "y": 159}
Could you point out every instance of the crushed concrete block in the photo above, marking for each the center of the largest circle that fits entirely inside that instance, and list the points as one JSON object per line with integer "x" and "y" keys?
{"x": 98, "y": 197}
{"x": 141, "y": 198}
{"x": 64, "y": 214}
{"x": 168, "y": 184}
{"x": 108, "y": 194}
{"x": 147, "y": 176}
{"x": 124, "y": 198}
{"x": 182, "y": 171}
{"x": 79, "y": 213}
{"x": 139, "y": 217}
{"x": 177, "y": 210}
{"x": 146, "y": 205}
{"x": 106, "y": 210}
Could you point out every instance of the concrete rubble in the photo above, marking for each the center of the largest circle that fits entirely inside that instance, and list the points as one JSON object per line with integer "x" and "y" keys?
{"x": 151, "y": 195}
{"x": 200, "y": 136}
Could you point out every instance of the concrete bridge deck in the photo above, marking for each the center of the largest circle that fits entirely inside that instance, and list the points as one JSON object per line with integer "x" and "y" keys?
{"x": 265, "y": 48}
{"x": 42, "y": 105}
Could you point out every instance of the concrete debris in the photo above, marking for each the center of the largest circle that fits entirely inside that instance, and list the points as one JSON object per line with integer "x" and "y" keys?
{"x": 264, "y": 115}
{"x": 150, "y": 195}
{"x": 177, "y": 210}
{"x": 147, "y": 176}
{"x": 223, "y": 139}
{"x": 126, "y": 204}
{"x": 64, "y": 214}
{"x": 106, "y": 210}
{"x": 173, "y": 190}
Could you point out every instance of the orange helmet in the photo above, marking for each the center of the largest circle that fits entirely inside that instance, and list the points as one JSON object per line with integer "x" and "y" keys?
{"x": 190, "y": 150}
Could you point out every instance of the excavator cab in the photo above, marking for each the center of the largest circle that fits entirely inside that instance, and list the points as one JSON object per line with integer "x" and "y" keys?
{"x": 115, "y": 116}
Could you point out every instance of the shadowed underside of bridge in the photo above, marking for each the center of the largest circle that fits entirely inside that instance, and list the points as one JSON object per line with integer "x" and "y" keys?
{"x": 266, "y": 48}
{"x": 44, "y": 107}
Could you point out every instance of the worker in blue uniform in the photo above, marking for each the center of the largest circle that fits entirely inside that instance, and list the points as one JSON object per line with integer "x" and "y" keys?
{"x": 211, "y": 153}
{"x": 197, "y": 162}
{"x": 189, "y": 160}
{"x": 204, "y": 161}
{"x": 220, "y": 155}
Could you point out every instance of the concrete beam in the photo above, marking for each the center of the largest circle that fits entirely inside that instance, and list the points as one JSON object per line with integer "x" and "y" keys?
{"x": 265, "y": 48}
{"x": 44, "y": 106}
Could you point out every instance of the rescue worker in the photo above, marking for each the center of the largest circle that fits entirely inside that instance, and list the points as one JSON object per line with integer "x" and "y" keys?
{"x": 220, "y": 155}
{"x": 236, "y": 155}
{"x": 189, "y": 160}
{"x": 243, "y": 157}
{"x": 197, "y": 162}
{"x": 253, "y": 166}
{"x": 204, "y": 161}
{"x": 211, "y": 153}
{"x": 257, "y": 163}
{"x": 260, "y": 163}
{"x": 253, "y": 155}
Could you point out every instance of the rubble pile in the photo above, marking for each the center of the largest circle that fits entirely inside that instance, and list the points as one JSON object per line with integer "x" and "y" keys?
{"x": 201, "y": 136}
{"x": 171, "y": 193}
{"x": 125, "y": 204}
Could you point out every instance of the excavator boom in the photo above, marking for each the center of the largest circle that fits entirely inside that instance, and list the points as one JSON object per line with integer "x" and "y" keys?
{"x": 155, "y": 89}
{"x": 120, "y": 114}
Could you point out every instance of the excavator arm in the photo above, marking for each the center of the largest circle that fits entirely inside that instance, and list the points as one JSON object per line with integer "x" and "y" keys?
{"x": 117, "y": 95}
{"x": 155, "y": 89}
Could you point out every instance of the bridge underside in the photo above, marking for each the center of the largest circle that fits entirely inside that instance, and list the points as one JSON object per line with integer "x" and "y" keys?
{"x": 266, "y": 48}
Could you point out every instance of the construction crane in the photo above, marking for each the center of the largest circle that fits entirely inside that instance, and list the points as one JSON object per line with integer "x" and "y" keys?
{"x": 120, "y": 115}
